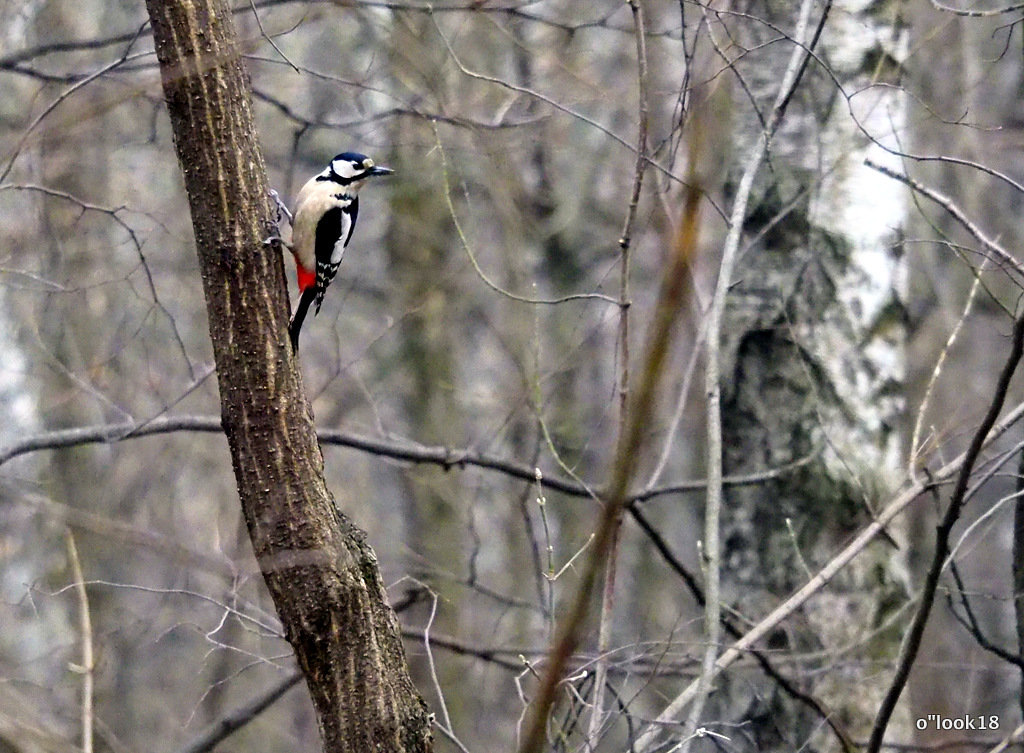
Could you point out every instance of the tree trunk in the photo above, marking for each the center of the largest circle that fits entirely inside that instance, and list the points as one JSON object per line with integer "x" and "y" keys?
{"x": 322, "y": 575}
{"x": 812, "y": 368}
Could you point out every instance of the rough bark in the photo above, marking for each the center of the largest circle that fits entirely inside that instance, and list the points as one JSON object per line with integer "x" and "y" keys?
{"x": 321, "y": 573}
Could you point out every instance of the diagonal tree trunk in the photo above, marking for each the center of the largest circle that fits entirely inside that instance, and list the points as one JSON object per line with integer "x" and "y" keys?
{"x": 321, "y": 573}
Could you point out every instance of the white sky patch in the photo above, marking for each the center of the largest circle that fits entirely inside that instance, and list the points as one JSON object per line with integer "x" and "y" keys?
{"x": 17, "y": 407}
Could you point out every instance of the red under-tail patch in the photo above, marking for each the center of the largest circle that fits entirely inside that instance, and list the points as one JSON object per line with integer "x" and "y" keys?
{"x": 306, "y": 278}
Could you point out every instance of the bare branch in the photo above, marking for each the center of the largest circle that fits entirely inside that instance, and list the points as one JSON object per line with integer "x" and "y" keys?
{"x": 476, "y": 264}
{"x": 915, "y": 448}
{"x": 668, "y": 307}
{"x": 102, "y": 71}
{"x": 115, "y": 215}
{"x": 108, "y": 434}
{"x": 270, "y": 39}
{"x": 712, "y": 378}
{"x": 608, "y": 589}
{"x": 238, "y": 718}
{"x": 443, "y": 457}
{"x": 969, "y": 621}
{"x": 877, "y": 526}
{"x": 1002, "y": 255}
{"x": 977, "y": 13}
{"x": 912, "y": 638}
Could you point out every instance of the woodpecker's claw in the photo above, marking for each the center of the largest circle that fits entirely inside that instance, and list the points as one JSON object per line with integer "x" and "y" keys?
{"x": 281, "y": 208}
{"x": 274, "y": 225}
{"x": 275, "y": 234}
{"x": 274, "y": 238}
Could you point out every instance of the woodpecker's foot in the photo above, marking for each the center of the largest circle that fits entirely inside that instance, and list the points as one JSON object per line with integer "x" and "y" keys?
{"x": 273, "y": 225}
{"x": 281, "y": 208}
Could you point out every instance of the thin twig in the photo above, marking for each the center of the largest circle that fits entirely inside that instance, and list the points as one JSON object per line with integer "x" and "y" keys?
{"x": 445, "y": 722}
{"x": 915, "y": 437}
{"x": 85, "y": 625}
{"x": 611, "y": 565}
{"x": 476, "y": 264}
{"x": 697, "y": 350}
{"x": 642, "y": 117}
{"x": 955, "y": 212}
{"x": 115, "y": 215}
{"x": 1012, "y": 738}
{"x": 681, "y": 400}
{"x": 969, "y": 621}
{"x": 712, "y": 375}
{"x": 554, "y": 103}
{"x": 270, "y": 39}
{"x": 978, "y": 13}
{"x": 669, "y": 304}
{"x": 767, "y": 667}
{"x": 104, "y": 70}
{"x": 430, "y": 663}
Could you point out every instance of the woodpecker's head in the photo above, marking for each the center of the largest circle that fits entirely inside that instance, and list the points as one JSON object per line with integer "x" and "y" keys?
{"x": 351, "y": 169}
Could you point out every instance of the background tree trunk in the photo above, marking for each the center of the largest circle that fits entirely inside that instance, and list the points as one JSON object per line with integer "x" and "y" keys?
{"x": 322, "y": 575}
{"x": 813, "y": 366}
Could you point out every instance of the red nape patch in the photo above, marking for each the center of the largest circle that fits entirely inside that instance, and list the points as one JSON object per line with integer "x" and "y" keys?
{"x": 306, "y": 278}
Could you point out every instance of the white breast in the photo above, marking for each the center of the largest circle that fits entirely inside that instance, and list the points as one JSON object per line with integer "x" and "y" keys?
{"x": 315, "y": 198}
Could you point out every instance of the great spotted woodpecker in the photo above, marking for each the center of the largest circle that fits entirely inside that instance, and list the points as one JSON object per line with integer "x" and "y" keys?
{"x": 325, "y": 216}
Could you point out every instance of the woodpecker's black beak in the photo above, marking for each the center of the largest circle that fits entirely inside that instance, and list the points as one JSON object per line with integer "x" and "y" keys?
{"x": 378, "y": 170}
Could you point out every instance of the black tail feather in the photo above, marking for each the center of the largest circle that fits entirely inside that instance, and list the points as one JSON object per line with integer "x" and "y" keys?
{"x": 307, "y": 297}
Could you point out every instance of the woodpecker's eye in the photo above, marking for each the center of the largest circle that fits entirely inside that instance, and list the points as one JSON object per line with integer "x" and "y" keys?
{"x": 367, "y": 163}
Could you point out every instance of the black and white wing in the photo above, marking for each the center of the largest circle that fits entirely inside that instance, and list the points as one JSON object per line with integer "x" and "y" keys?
{"x": 328, "y": 250}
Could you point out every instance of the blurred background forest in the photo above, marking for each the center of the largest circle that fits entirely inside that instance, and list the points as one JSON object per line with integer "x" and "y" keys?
{"x": 487, "y": 321}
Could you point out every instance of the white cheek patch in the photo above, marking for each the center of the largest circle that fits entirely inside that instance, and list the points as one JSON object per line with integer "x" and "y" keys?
{"x": 344, "y": 168}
